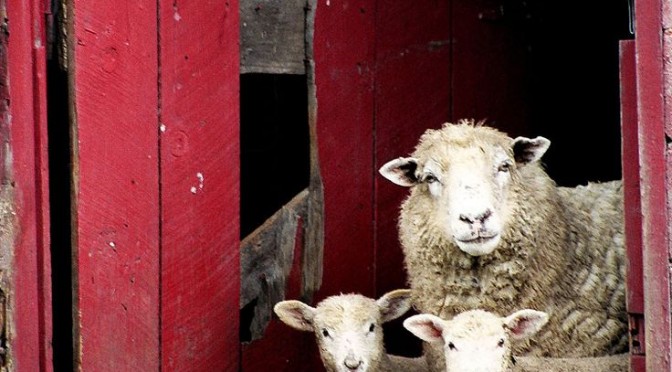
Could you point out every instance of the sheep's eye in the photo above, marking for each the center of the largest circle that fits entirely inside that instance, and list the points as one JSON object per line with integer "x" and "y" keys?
{"x": 430, "y": 178}
{"x": 500, "y": 343}
{"x": 451, "y": 346}
{"x": 504, "y": 167}
{"x": 372, "y": 327}
{"x": 325, "y": 333}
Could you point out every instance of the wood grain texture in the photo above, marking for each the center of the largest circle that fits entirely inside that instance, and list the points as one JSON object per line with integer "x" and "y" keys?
{"x": 656, "y": 168}
{"x": 272, "y": 36}
{"x": 113, "y": 65}
{"x": 344, "y": 57}
{"x": 26, "y": 280}
{"x": 200, "y": 262}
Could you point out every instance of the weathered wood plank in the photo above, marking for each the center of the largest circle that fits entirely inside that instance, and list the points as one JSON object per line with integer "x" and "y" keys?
{"x": 272, "y": 36}
{"x": 656, "y": 169}
{"x": 266, "y": 257}
{"x": 200, "y": 171}
{"x": 113, "y": 66}
{"x": 25, "y": 281}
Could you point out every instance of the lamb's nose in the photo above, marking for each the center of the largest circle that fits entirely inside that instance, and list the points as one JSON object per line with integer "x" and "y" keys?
{"x": 472, "y": 218}
{"x": 352, "y": 364}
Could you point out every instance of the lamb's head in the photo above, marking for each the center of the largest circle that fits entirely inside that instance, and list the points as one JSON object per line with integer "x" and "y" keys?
{"x": 462, "y": 175}
{"x": 476, "y": 340}
{"x": 348, "y": 328}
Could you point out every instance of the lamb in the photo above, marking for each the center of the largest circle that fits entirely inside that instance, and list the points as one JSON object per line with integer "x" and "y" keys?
{"x": 348, "y": 329}
{"x": 485, "y": 227}
{"x": 480, "y": 341}
{"x": 477, "y": 340}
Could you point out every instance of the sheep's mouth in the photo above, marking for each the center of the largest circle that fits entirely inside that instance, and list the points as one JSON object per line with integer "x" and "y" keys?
{"x": 478, "y": 240}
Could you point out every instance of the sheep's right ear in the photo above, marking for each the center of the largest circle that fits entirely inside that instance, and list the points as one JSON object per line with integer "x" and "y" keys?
{"x": 426, "y": 327}
{"x": 394, "y": 304}
{"x": 401, "y": 171}
{"x": 295, "y": 314}
{"x": 526, "y": 150}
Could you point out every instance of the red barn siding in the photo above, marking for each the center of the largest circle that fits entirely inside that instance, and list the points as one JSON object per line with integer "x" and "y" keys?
{"x": 199, "y": 65}
{"x": 24, "y": 126}
{"x": 656, "y": 169}
{"x": 116, "y": 185}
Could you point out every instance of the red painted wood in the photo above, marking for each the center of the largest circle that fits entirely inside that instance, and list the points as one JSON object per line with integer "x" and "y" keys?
{"x": 631, "y": 183}
{"x": 200, "y": 283}
{"x": 412, "y": 94}
{"x": 344, "y": 75}
{"x": 655, "y": 169}
{"x": 30, "y": 300}
{"x": 116, "y": 201}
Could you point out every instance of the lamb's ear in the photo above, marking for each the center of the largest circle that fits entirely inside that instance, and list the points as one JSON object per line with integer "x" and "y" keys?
{"x": 526, "y": 150}
{"x": 394, "y": 304}
{"x": 401, "y": 171}
{"x": 426, "y": 327}
{"x": 525, "y": 323}
{"x": 295, "y": 314}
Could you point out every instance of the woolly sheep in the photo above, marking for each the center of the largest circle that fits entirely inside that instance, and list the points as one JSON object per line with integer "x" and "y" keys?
{"x": 485, "y": 227}
{"x": 348, "y": 330}
{"x": 477, "y": 340}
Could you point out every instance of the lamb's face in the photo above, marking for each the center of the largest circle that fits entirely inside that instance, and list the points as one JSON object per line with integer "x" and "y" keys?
{"x": 348, "y": 335}
{"x": 477, "y": 341}
{"x": 348, "y": 328}
{"x": 465, "y": 174}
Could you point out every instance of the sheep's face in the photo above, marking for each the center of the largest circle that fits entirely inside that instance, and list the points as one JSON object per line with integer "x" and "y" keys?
{"x": 477, "y": 341}
{"x": 348, "y": 328}
{"x": 463, "y": 174}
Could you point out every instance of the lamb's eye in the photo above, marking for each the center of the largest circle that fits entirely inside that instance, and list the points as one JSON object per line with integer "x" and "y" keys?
{"x": 325, "y": 333}
{"x": 505, "y": 167}
{"x": 451, "y": 346}
{"x": 430, "y": 178}
{"x": 500, "y": 343}
{"x": 372, "y": 327}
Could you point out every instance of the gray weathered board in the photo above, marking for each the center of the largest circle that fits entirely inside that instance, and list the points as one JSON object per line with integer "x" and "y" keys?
{"x": 272, "y": 36}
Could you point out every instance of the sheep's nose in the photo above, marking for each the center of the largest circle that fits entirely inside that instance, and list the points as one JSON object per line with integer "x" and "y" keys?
{"x": 472, "y": 218}
{"x": 352, "y": 363}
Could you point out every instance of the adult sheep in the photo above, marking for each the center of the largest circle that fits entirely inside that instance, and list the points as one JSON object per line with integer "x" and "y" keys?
{"x": 485, "y": 227}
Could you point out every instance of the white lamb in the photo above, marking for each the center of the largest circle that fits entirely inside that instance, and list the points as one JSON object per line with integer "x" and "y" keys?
{"x": 349, "y": 333}
{"x": 477, "y": 340}
{"x": 484, "y": 227}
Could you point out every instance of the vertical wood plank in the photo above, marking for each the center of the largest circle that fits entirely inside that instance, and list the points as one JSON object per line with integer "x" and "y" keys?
{"x": 113, "y": 66}
{"x": 344, "y": 74}
{"x": 412, "y": 94}
{"x": 199, "y": 65}
{"x": 25, "y": 183}
{"x": 655, "y": 170}
{"x": 631, "y": 183}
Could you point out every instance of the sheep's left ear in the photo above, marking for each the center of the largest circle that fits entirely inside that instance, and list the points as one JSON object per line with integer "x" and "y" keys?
{"x": 426, "y": 327}
{"x": 394, "y": 304}
{"x": 401, "y": 171}
{"x": 525, "y": 323}
{"x": 526, "y": 150}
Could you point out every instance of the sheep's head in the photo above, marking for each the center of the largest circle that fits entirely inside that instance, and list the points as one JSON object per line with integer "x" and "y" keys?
{"x": 348, "y": 328}
{"x": 476, "y": 340}
{"x": 463, "y": 174}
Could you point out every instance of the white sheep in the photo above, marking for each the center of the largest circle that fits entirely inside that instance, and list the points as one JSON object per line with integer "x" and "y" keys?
{"x": 349, "y": 333}
{"x": 477, "y": 340}
{"x": 485, "y": 227}
{"x": 480, "y": 341}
